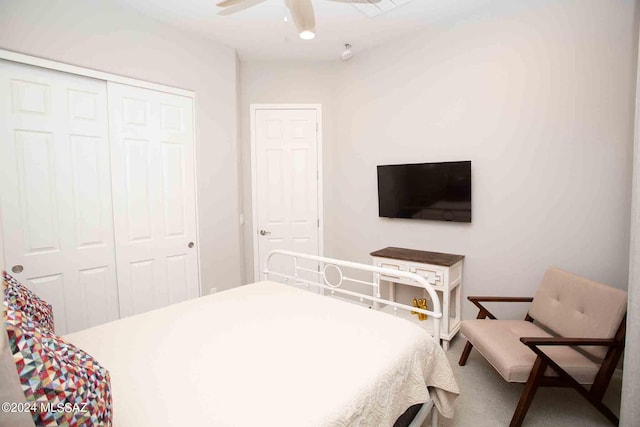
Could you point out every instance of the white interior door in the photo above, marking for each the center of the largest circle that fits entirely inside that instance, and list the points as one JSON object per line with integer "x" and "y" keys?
{"x": 55, "y": 192}
{"x": 286, "y": 185}
{"x": 153, "y": 166}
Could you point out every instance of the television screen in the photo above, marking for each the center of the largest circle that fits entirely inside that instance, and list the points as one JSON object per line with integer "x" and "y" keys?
{"x": 435, "y": 191}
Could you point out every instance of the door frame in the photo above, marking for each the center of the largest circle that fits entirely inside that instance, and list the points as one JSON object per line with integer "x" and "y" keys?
{"x": 254, "y": 177}
{"x": 109, "y": 77}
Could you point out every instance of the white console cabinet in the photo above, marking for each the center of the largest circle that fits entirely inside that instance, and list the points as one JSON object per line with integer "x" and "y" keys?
{"x": 443, "y": 271}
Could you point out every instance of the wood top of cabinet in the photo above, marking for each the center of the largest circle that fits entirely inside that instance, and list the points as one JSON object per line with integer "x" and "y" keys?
{"x": 424, "y": 257}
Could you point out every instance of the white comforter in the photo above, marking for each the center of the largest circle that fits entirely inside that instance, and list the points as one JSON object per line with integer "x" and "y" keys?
{"x": 267, "y": 354}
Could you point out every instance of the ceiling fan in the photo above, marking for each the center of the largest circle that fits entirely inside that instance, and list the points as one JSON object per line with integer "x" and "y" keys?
{"x": 301, "y": 12}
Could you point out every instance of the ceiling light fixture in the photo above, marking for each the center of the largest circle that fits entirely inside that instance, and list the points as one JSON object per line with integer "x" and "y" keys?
{"x": 303, "y": 17}
{"x": 302, "y": 13}
{"x": 307, "y": 35}
{"x": 347, "y": 53}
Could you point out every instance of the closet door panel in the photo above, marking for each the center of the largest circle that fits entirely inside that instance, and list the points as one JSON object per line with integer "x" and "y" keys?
{"x": 56, "y": 191}
{"x": 152, "y": 148}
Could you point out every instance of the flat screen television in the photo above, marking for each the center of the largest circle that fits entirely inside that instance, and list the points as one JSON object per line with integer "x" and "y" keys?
{"x": 432, "y": 191}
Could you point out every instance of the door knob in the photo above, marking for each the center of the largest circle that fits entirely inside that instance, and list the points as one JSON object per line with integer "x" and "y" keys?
{"x": 264, "y": 232}
{"x": 17, "y": 269}
{"x": 190, "y": 245}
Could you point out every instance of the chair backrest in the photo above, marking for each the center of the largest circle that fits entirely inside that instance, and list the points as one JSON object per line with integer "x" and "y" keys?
{"x": 575, "y": 307}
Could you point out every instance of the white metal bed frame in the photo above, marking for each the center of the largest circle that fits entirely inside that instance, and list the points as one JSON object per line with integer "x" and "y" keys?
{"x": 326, "y": 264}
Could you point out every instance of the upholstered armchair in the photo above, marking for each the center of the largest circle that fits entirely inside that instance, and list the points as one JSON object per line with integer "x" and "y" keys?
{"x": 572, "y": 336}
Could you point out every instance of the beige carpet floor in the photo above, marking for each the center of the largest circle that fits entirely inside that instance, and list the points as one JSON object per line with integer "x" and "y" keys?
{"x": 486, "y": 400}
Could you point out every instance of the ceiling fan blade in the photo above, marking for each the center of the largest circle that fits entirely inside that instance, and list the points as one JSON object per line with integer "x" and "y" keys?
{"x": 302, "y": 15}
{"x": 242, "y": 5}
{"x": 227, "y": 3}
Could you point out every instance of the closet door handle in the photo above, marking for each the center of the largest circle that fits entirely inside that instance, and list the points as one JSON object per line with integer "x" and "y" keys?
{"x": 264, "y": 232}
{"x": 190, "y": 245}
{"x": 17, "y": 269}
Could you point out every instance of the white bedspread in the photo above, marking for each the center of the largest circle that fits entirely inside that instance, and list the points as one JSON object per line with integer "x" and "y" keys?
{"x": 267, "y": 354}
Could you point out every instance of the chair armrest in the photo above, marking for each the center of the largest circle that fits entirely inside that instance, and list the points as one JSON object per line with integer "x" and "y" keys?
{"x": 543, "y": 360}
{"x": 500, "y": 299}
{"x": 484, "y": 313}
{"x": 536, "y": 341}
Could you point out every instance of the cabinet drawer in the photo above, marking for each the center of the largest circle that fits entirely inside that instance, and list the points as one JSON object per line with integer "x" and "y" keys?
{"x": 433, "y": 275}
{"x": 392, "y": 266}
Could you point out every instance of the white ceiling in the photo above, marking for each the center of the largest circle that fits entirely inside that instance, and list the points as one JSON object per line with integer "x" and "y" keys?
{"x": 260, "y": 33}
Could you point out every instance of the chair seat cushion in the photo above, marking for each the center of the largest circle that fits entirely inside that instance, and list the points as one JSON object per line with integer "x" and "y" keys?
{"x": 499, "y": 342}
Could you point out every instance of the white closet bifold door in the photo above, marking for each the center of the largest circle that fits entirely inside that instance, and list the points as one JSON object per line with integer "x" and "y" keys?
{"x": 55, "y": 192}
{"x": 152, "y": 167}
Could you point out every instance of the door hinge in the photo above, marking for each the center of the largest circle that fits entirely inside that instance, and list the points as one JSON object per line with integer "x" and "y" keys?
{"x": 318, "y": 222}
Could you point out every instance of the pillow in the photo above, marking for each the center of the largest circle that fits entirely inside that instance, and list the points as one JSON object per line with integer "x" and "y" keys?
{"x": 10, "y": 387}
{"x": 21, "y": 298}
{"x": 66, "y": 385}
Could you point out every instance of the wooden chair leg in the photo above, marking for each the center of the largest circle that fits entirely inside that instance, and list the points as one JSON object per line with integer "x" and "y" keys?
{"x": 465, "y": 353}
{"x": 530, "y": 388}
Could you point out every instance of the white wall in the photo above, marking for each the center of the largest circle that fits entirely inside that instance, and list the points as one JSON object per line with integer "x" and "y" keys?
{"x": 538, "y": 95}
{"x": 282, "y": 83}
{"x": 100, "y": 35}
{"x": 241, "y": 189}
{"x": 629, "y": 410}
